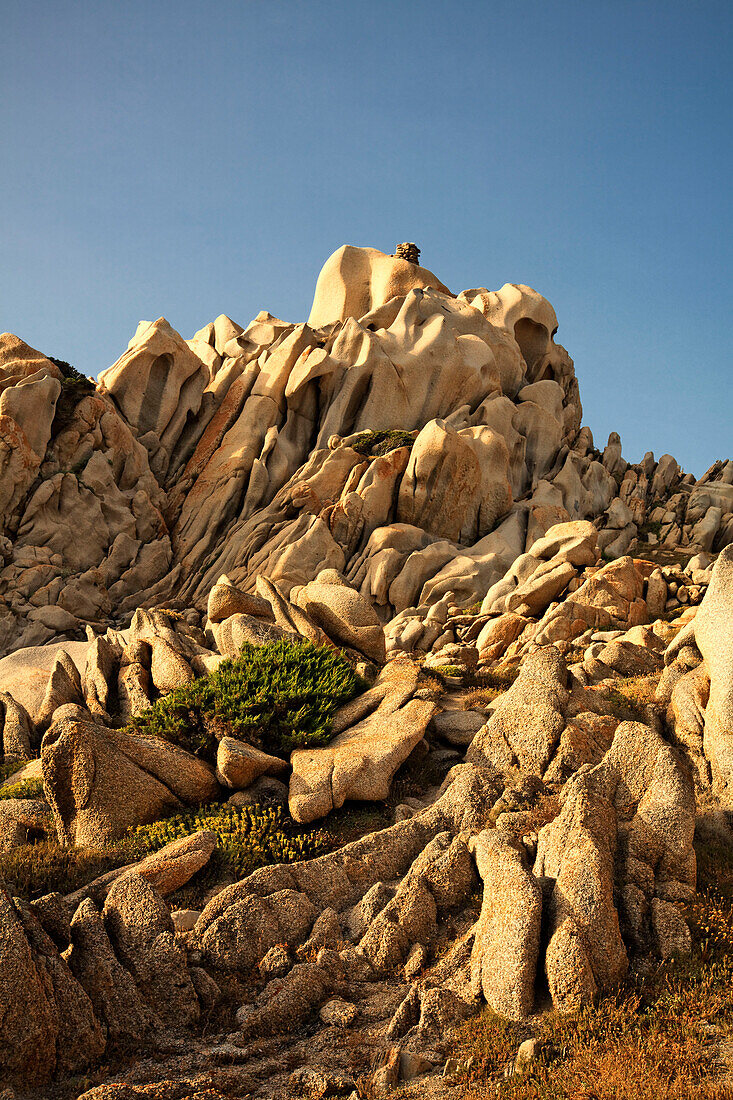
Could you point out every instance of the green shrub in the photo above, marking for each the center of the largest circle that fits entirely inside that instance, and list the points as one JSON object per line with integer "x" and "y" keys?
{"x": 70, "y": 375}
{"x": 376, "y": 444}
{"x": 26, "y": 788}
{"x": 279, "y": 697}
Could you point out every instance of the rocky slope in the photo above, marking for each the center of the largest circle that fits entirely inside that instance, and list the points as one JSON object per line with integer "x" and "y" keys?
{"x": 404, "y": 480}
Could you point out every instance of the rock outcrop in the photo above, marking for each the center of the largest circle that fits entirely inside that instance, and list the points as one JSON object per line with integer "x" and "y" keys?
{"x": 405, "y": 480}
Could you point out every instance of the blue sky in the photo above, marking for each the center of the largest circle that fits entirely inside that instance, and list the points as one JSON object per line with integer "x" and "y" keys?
{"x": 189, "y": 159}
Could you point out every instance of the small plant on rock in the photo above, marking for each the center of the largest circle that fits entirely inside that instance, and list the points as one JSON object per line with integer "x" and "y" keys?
{"x": 376, "y": 444}
{"x": 25, "y": 788}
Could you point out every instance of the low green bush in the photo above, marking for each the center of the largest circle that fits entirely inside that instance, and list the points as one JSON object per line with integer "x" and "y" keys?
{"x": 376, "y": 444}
{"x": 278, "y": 697}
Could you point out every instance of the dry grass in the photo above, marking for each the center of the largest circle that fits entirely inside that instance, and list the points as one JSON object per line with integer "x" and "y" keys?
{"x": 480, "y": 697}
{"x": 629, "y": 697}
{"x": 656, "y": 1038}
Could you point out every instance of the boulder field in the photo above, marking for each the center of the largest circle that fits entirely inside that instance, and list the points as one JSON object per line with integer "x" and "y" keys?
{"x": 397, "y": 498}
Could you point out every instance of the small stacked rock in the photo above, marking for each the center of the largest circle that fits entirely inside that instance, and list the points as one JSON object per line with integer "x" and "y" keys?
{"x": 409, "y": 251}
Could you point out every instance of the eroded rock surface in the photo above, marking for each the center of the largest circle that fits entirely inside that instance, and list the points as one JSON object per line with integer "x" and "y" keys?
{"x": 406, "y": 479}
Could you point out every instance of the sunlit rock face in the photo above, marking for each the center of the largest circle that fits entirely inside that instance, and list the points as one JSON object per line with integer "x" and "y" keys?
{"x": 251, "y": 451}
{"x": 368, "y": 558}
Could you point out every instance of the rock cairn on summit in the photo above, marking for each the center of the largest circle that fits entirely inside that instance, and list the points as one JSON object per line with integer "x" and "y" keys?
{"x": 404, "y": 482}
{"x": 409, "y": 251}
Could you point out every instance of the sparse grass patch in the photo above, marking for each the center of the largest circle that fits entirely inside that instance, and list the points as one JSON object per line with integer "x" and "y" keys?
{"x": 37, "y": 869}
{"x": 278, "y": 697}
{"x": 500, "y": 677}
{"x": 480, "y": 697}
{"x": 630, "y": 696}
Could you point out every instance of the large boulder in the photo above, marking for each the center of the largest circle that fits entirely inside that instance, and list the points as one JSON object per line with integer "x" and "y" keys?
{"x": 346, "y": 616}
{"x": 713, "y": 628}
{"x": 100, "y": 781}
{"x": 157, "y": 384}
{"x": 360, "y": 762}
{"x": 47, "y": 1022}
{"x": 507, "y": 941}
{"x": 353, "y": 281}
{"x": 139, "y": 925}
{"x": 456, "y": 484}
{"x": 525, "y": 728}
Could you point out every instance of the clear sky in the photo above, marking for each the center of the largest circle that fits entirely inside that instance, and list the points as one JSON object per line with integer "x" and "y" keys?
{"x": 187, "y": 159}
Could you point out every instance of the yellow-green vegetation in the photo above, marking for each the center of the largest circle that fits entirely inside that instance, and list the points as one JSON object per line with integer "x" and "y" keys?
{"x": 26, "y": 788}
{"x": 278, "y": 697}
{"x": 375, "y": 444}
{"x": 499, "y": 676}
{"x": 660, "y": 1037}
{"x": 6, "y": 770}
{"x": 450, "y": 670}
{"x": 248, "y": 837}
{"x": 630, "y": 696}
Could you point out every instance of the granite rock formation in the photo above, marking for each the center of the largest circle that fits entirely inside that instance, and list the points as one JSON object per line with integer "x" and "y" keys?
{"x": 406, "y": 481}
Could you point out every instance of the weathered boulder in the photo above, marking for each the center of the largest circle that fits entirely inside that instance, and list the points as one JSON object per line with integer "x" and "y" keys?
{"x": 354, "y": 281}
{"x": 360, "y": 762}
{"x": 238, "y": 764}
{"x": 100, "y": 782}
{"x": 507, "y": 939}
{"x": 166, "y": 870}
{"x": 585, "y": 951}
{"x": 525, "y": 728}
{"x": 24, "y": 821}
{"x": 226, "y": 599}
{"x": 139, "y": 925}
{"x": 157, "y": 384}
{"x": 47, "y": 1022}
{"x": 343, "y": 614}
{"x": 28, "y": 1026}
{"x": 455, "y": 485}
{"x": 713, "y": 630}
{"x": 16, "y": 729}
{"x": 110, "y": 986}
{"x": 25, "y": 674}
{"x": 240, "y": 629}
